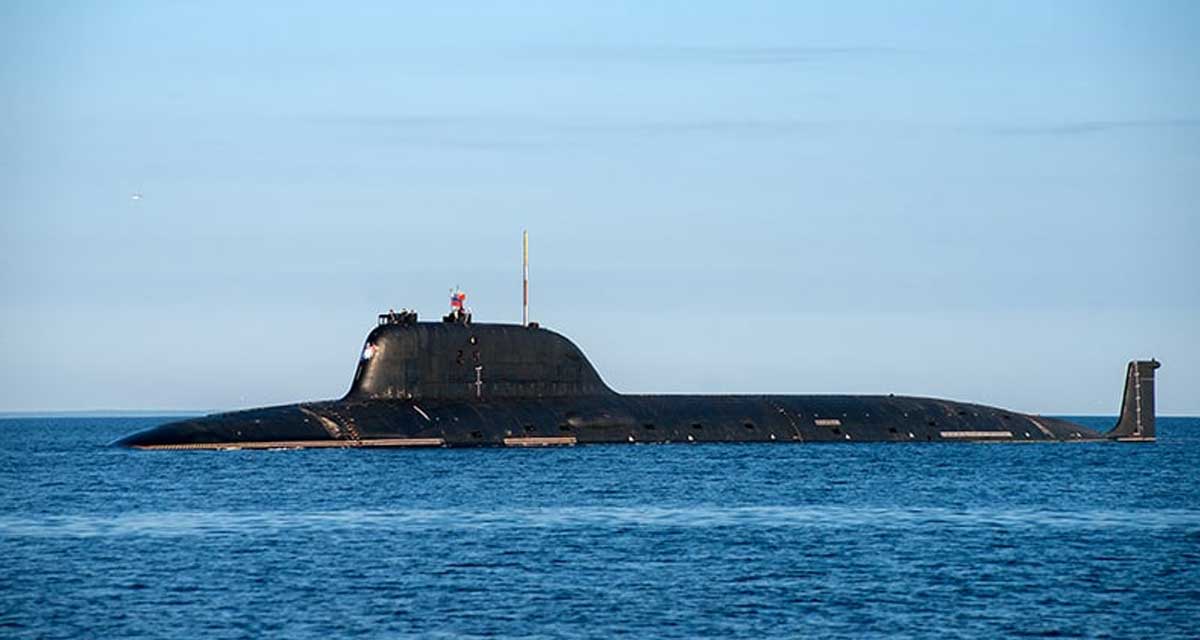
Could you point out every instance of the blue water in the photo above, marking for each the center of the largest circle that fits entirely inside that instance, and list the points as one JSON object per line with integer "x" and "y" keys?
{"x": 750, "y": 541}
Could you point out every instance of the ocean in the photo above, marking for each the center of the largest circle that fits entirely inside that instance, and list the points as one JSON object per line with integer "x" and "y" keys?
{"x": 661, "y": 541}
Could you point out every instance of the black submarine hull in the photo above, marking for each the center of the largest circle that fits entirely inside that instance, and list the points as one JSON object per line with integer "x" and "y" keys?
{"x": 628, "y": 419}
{"x": 462, "y": 385}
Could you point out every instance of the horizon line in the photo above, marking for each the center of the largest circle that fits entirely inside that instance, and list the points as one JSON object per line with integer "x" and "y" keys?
{"x": 152, "y": 413}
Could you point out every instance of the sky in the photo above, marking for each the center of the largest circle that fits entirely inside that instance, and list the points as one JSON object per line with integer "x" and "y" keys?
{"x": 989, "y": 202}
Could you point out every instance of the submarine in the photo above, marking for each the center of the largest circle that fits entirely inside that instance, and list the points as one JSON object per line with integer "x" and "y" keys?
{"x": 456, "y": 383}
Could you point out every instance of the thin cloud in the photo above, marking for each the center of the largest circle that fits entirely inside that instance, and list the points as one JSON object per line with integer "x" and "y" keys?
{"x": 1087, "y": 127}
{"x": 766, "y": 56}
{"x": 581, "y": 125}
{"x": 715, "y": 126}
{"x": 500, "y": 133}
{"x": 443, "y": 131}
{"x": 420, "y": 122}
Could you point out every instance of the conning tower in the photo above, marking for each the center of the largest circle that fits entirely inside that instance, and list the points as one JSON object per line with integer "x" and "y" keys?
{"x": 404, "y": 359}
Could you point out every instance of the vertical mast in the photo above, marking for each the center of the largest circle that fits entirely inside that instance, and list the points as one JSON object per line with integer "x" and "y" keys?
{"x": 525, "y": 278}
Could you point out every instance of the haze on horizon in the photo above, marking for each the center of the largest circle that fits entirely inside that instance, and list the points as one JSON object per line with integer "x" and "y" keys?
{"x": 990, "y": 202}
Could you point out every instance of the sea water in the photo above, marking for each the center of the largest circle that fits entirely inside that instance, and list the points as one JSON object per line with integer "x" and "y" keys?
{"x": 736, "y": 540}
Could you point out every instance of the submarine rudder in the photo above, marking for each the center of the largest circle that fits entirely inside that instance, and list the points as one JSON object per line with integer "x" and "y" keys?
{"x": 1136, "y": 420}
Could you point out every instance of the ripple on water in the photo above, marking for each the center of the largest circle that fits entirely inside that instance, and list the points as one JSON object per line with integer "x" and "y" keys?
{"x": 192, "y": 523}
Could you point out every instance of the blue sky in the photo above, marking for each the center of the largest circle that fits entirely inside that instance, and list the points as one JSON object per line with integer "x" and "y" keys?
{"x": 992, "y": 202}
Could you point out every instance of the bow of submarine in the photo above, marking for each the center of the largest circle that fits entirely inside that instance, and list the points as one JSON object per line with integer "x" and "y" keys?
{"x": 284, "y": 423}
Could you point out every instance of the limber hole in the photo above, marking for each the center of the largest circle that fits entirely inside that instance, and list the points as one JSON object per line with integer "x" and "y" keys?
{"x": 648, "y": 427}
{"x": 891, "y": 429}
{"x": 530, "y": 428}
{"x": 749, "y": 426}
{"x": 697, "y": 426}
{"x": 477, "y": 434}
{"x": 564, "y": 427}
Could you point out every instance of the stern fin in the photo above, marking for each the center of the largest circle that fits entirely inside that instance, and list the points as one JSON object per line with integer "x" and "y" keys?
{"x": 1136, "y": 423}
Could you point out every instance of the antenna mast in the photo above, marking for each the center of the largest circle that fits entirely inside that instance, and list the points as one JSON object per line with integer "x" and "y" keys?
{"x": 525, "y": 278}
